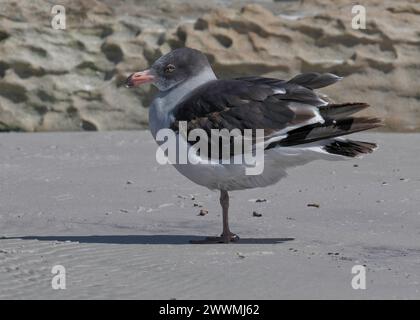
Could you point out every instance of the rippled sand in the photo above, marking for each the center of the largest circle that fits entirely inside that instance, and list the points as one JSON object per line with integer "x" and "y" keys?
{"x": 100, "y": 205}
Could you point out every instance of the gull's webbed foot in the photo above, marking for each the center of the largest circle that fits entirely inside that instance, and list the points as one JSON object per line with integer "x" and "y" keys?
{"x": 224, "y": 238}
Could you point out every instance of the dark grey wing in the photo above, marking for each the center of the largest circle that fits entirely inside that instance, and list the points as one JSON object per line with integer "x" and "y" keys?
{"x": 262, "y": 80}
{"x": 310, "y": 80}
{"x": 290, "y": 112}
{"x": 337, "y": 121}
{"x": 239, "y": 104}
{"x": 314, "y": 80}
{"x": 233, "y": 104}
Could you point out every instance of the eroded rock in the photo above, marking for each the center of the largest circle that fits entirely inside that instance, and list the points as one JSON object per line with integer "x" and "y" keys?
{"x": 72, "y": 79}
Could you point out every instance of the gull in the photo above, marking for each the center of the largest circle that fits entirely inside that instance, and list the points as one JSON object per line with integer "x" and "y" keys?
{"x": 299, "y": 124}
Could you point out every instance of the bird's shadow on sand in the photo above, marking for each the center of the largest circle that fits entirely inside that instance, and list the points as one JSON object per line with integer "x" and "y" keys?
{"x": 145, "y": 239}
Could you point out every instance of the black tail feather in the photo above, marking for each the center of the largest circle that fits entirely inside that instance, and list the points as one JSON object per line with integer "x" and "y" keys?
{"x": 329, "y": 129}
{"x": 314, "y": 80}
{"x": 350, "y": 148}
{"x": 339, "y": 111}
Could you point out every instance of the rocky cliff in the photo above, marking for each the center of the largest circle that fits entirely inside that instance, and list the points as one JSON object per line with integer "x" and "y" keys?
{"x": 71, "y": 79}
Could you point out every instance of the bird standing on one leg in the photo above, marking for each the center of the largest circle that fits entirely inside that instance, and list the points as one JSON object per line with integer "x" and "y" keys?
{"x": 299, "y": 124}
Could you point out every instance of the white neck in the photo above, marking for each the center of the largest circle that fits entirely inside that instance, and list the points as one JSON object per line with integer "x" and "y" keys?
{"x": 160, "y": 110}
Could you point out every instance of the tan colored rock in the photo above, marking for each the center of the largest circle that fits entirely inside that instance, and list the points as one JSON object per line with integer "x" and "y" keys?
{"x": 67, "y": 79}
{"x": 381, "y": 64}
{"x": 72, "y": 79}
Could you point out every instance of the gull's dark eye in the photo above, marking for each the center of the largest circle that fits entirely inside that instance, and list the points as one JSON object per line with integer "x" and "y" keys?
{"x": 169, "y": 68}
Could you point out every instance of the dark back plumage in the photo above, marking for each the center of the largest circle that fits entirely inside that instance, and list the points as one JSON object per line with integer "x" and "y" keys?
{"x": 273, "y": 105}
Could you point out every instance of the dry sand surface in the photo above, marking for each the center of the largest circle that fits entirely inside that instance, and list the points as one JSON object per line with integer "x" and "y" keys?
{"x": 100, "y": 205}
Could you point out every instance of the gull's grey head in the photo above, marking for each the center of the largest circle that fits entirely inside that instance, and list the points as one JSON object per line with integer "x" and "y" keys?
{"x": 171, "y": 69}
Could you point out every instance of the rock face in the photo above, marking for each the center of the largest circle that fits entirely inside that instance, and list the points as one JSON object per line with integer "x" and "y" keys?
{"x": 380, "y": 64}
{"x": 71, "y": 79}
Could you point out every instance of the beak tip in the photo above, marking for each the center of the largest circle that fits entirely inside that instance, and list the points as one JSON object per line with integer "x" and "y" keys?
{"x": 128, "y": 83}
{"x": 138, "y": 78}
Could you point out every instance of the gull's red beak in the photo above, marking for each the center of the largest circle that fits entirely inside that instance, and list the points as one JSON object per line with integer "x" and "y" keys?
{"x": 139, "y": 78}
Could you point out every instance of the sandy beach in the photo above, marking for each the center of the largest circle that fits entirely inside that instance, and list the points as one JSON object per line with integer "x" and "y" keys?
{"x": 100, "y": 205}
